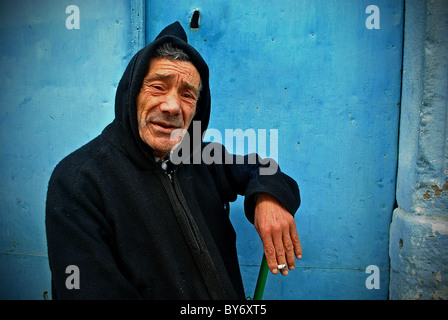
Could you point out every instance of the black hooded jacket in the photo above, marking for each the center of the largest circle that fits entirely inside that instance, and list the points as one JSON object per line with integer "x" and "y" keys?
{"x": 135, "y": 232}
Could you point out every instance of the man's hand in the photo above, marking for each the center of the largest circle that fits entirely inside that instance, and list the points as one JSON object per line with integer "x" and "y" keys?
{"x": 277, "y": 230}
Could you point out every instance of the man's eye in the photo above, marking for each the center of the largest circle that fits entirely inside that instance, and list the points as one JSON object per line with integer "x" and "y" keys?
{"x": 157, "y": 87}
{"x": 189, "y": 96}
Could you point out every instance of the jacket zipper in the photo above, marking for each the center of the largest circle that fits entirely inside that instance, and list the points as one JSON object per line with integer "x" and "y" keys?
{"x": 174, "y": 193}
{"x": 192, "y": 235}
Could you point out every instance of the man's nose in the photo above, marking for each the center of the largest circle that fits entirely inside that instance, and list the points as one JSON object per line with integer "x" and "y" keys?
{"x": 171, "y": 104}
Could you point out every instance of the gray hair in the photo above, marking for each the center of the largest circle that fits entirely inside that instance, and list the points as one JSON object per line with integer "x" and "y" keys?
{"x": 169, "y": 52}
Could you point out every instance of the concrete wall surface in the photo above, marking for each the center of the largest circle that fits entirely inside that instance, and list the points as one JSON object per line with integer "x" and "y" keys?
{"x": 419, "y": 231}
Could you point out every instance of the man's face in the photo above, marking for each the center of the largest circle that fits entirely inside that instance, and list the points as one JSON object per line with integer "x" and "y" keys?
{"x": 166, "y": 102}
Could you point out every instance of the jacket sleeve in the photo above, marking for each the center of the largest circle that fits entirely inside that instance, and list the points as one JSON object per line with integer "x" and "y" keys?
{"x": 250, "y": 175}
{"x": 78, "y": 234}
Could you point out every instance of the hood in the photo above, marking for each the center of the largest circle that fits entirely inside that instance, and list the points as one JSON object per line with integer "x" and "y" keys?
{"x": 125, "y": 122}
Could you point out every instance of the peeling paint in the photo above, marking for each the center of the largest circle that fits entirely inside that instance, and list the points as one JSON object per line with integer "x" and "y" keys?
{"x": 436, "y": 191}
{"x": 440, "y": 294}
{"x": 439, "y": 227}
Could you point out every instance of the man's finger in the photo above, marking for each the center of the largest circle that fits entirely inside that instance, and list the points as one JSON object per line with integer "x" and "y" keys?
{"x": 289, "y": 251}
{"x": 296, "y": 241}
{"x": 269, "y": 252}
{"x": 280, "y": 252}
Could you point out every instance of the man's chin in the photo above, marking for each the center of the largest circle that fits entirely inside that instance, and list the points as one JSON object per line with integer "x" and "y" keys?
{"x": 161, "y": 143}
{"x": 163, "y": 147}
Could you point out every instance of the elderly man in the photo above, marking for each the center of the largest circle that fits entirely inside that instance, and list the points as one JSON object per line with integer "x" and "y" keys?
{"x": 133, "y": 224}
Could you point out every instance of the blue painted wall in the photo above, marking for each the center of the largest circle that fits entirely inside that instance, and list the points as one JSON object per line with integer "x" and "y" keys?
{"x": 310, "y": 69}
{"x": 57, "y": 93}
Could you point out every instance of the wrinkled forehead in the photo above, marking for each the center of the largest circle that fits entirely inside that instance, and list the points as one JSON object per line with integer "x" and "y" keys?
{"x": 173, "y": 70}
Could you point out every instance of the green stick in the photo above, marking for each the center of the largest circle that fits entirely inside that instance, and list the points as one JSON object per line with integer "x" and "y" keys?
{"x": 261, "y": 282}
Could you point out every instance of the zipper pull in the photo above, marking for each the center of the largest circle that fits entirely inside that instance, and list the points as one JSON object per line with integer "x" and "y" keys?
{"x": 167, "y": 167}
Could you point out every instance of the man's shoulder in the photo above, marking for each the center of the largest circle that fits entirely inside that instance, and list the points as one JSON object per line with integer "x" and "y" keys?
{"x": 83, "y": 158}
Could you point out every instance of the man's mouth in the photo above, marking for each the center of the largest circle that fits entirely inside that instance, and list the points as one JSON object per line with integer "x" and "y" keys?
{"x": 164, "y": 127}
